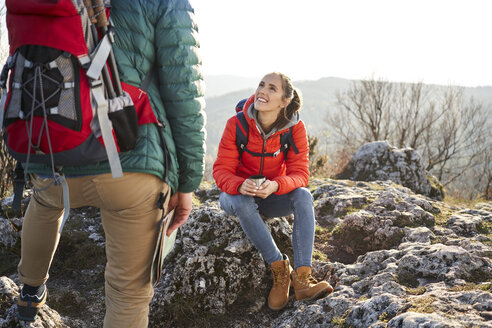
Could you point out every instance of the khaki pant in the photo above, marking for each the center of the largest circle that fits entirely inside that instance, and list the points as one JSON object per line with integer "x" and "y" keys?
{"x": 130, "y": 218}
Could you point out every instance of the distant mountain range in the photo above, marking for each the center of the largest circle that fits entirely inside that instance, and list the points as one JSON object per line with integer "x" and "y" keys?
{"x": 224, "y": 91}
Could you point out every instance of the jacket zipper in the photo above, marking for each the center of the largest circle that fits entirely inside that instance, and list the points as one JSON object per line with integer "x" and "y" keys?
{"x": 262, "y": 157}
{"x": 263, "y": 149}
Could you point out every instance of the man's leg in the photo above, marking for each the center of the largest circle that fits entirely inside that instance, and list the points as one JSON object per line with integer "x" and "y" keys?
{"x": 130, "y": 219}
{"x": 39, "y": 241}
{"x": 40, "y": 236}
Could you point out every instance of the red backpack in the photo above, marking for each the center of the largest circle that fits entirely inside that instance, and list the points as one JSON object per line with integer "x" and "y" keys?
{"x": 62, "y": 101}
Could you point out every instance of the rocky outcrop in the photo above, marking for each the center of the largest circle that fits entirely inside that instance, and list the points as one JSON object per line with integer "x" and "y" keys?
{"x": 9, "y": 291}
{"x": 379, "y": 161}
{"x": 217, "y": 265}
{"x": 396, "y": 259}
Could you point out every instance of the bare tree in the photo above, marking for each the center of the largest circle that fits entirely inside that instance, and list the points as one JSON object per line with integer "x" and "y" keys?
{"x": 365, "y": 112}
{"x": 458, "y": 138}
{"x": 414, "y": 113}
{"x": 487, "y": 177}
{"x": 476, "y": 182}
{"x": 449, "y": 130}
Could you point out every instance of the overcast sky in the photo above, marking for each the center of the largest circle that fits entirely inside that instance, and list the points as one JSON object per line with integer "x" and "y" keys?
{"x": 434, "y": 41}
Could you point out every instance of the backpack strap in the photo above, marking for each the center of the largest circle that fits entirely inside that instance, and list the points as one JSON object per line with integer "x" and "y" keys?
{"x": 3, "y": 85}
{"x": 99, "y": 58}
{"x": 242, "y": 135}
{"x": 97, "y": 91}
{"x": 19, "y": 182}
{"x": 287, "y": 141}
{"x": 60, "y": 180}
{"x": 242, "y": 138}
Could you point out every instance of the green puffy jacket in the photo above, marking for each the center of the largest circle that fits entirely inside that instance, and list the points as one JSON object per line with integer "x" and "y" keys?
{"x": 161, "y": 35}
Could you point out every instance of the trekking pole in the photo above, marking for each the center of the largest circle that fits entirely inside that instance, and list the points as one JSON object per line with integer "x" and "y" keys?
{"x": 105, "y": 73}
{"x": 102, "y": 23}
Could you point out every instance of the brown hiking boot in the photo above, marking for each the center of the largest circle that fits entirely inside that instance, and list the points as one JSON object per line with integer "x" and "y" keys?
{"x": 308, "y": 288}
{"x": 279, "y": 295}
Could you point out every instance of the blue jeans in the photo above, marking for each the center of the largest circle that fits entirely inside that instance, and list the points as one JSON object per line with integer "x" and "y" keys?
{"x": 248, "y": 210}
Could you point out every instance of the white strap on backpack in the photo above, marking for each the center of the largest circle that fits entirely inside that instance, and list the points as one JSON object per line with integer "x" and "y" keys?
{"x": 101, "y": 104}
{"x": 99, "y": 58}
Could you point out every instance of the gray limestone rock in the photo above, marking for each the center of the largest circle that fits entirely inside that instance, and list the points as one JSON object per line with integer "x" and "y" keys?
{"x": 9, "y": 291}
{"x": 464, "y": 224}
{"x": 421, "y": 235}
{"x": 442, "y": 263}
{"x": 214, "y": 265}
{"x": 385, "y": 222}
{"x": 339, "y": 205}
{"x": 364, "y": 231}
{"x": 417, "y": 320}
{"x": 208, "y": 192}
{"x": 8, "y": 233}
{"x": 406, "y": 269}
{"x": 366, "y": 313}
{"x": 320, "y": 314}
{"x": 380, "y": 161}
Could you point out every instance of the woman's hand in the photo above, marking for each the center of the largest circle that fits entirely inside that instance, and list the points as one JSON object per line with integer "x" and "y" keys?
{"x": 248, "y": 188}
{"x": 267, "y": 188}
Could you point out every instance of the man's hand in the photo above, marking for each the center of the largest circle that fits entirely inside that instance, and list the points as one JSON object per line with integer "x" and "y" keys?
{"x": 181, "y": 202}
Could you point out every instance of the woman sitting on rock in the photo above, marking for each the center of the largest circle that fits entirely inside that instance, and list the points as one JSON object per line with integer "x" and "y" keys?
{"x": 281, "y": 176}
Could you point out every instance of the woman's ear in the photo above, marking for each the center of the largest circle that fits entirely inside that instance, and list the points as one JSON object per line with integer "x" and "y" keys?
{"x": 286, "y": 102}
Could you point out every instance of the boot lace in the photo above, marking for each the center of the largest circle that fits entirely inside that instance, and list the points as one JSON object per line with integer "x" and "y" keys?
{"x": 280, "y": 276}
{"x": 306, "y": 280}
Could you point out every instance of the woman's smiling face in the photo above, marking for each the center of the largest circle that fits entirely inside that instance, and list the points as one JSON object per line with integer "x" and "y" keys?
{"x": 269, "y": 96}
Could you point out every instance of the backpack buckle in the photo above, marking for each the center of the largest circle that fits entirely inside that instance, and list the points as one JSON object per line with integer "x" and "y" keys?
{"x": 275, "y": 154}
{"x": 95, "y": 83}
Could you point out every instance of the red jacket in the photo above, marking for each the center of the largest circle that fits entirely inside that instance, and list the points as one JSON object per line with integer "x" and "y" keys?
{"x": 229, "y": 172}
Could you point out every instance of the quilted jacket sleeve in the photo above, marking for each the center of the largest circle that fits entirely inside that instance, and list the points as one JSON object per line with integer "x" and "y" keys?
{"x": 297, "y": 172}
{"x": 225, "y": 165}
{"x": 181, "y": 88}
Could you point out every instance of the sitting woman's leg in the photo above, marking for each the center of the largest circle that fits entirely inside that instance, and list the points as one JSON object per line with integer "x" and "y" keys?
{"x": 305, "y": 286}
{"x": 301, "y": 201}
{"x": 246, "y": 209}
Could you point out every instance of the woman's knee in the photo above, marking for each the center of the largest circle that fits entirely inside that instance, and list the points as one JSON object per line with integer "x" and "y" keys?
{"x": 233, "y": 204}
{"x": 302, "y": 195}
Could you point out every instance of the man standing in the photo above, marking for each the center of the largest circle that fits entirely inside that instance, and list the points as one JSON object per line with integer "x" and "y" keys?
{"x": 151, "y": 35}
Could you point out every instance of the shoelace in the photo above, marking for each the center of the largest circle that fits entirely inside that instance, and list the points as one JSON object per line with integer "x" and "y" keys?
{"x": 306, "y": 279}
{"x": 280, "y": 277}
